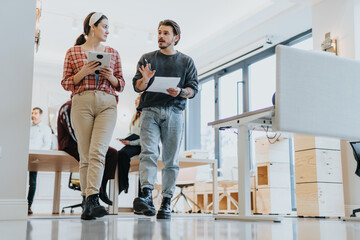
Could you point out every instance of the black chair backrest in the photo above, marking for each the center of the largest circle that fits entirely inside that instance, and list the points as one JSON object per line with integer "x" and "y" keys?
{"x": 73, "y": 186}
{"x": 356, "y": 150}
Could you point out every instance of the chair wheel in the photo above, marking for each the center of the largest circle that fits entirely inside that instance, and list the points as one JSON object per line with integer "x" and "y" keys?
{"x": 190, "y": 211}
{"x": 63, "y": 211}
{"x": 199, "y": 211}
{"x": 172, "y": 211}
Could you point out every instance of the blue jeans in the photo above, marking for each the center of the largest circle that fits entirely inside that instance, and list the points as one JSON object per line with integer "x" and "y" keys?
{"x": 32, "y": 187}
{"x": 165, "y": 124}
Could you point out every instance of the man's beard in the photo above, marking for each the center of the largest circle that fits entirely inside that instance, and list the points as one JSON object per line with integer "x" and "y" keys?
{"x": 164, "y": 46}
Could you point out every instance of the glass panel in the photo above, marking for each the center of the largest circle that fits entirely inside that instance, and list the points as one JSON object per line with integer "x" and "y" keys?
{"x": 230, "y": 99}
{"x": 262, "y": 83}
{"x": 307, "y": 44}
{"x": 231, "y": 104}
{"x": 208, "y": 115}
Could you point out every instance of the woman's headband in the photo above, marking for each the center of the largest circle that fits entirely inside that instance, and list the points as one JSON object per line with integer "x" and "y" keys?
{"x": 95, "y": 17}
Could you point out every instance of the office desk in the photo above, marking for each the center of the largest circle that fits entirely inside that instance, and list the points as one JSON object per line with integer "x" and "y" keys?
{"x": 59, "y": 161}
{"x": 52, "y": 161}
{"x": 250, "y": 120}
{"x": 183, "y": 163}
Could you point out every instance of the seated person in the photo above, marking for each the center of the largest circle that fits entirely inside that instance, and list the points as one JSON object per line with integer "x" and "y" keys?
{"x": 131, "y": 148}
{"x": 67, "y": 142}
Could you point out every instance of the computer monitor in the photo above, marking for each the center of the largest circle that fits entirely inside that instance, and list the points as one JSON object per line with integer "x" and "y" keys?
{"x": 356, "y": 149}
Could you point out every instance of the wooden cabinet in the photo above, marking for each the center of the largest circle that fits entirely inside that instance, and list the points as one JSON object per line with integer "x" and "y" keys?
{"x": 272, "y": 152}
{"x": 318, "y": 165}
{"x": 318, "y": 176}
{"x": 273, "y": 191}
{"x": 320, "y": 199}
{"x": 273, "y": 175}
{"x": 273, "y": 200}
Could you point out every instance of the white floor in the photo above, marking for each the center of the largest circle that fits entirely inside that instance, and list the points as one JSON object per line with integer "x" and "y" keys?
{"x": 129, "y": 226}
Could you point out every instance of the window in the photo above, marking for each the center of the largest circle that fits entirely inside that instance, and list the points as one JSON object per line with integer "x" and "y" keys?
{"x": 231, "y": 94}
{"x": 207, "y": 109}
{"x": 231, "y": 104}
{"x": 306, "y": 44}
{"x": 262, "y": 83}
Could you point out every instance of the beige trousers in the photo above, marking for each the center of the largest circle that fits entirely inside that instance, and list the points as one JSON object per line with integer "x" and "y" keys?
{"x": 93, "y": 117}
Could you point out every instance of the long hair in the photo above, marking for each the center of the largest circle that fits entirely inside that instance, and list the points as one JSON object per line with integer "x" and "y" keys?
{"x": 138, "y": 113}
{"x": 81, "y": 39}
{"x": 136, "y": 116}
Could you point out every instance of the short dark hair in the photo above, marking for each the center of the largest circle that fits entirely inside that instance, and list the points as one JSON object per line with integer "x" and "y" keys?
{"x": 37, "y": 108}
{"x": 174, "y": 25}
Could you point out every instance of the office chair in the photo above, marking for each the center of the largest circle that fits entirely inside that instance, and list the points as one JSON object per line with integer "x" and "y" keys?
{"x": 356, "y": 150}
{"x": 186, "y": 178}
{"x": 74, "y": 183}
{"x": 225, "y": 184}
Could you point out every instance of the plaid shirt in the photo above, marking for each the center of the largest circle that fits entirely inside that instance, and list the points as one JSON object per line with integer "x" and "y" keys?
{"x": 76, "y": 58}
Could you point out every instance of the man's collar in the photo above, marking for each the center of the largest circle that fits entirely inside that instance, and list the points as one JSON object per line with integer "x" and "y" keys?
{"x": 40, "y": 123}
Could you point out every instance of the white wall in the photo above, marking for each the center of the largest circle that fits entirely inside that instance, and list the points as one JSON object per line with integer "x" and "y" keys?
{"x": 342, "y": 19}
{"x": 16, "y": 67}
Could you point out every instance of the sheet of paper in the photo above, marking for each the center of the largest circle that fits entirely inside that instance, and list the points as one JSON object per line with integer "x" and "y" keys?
{"x": 160, "y": 84}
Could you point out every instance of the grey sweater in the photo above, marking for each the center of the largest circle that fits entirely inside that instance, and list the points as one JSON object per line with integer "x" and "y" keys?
{"x": 177, "y": 65}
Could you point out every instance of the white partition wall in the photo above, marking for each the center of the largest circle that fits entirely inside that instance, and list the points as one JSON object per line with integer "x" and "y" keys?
{"x": 316, "y": 94}
{"x": 16, "y": 67}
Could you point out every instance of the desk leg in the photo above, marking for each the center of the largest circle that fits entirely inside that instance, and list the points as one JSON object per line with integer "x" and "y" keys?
{"x": 215, "y": 188}
{"x": 54, "y": 230}
{"x": 244, "y": 171}
{"x": 244, "y": 182}
{"x": 56, "y": 198}
{"x": 114, "y": 193}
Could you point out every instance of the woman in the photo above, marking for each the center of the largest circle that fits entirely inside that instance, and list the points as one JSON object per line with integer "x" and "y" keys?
{"x": 68, "y": 143}
{"x": 131, "y": 148}
{"x": 94, "y": 110}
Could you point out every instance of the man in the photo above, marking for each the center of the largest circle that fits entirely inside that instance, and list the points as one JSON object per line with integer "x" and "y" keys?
{"x": 40, "y": 139}
{"x": 68, "y": 143}
{"x": 162, "y": 116}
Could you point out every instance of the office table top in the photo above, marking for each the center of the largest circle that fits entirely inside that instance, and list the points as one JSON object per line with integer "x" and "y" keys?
{"x": 265, "y": 113}
{"x": 59, "y": 161}
{"x": 183, "y": 163}
{"x": 51, "y": 161}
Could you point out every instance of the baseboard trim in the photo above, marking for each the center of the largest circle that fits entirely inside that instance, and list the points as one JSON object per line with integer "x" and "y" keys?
{"x": 13, "y": 209}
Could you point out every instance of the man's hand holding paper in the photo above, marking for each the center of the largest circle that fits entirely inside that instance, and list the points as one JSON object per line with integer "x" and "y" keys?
{"x": 167, "y": 85}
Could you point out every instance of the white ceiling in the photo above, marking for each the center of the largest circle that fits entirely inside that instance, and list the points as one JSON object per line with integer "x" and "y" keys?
{"x": 133, "y": 24}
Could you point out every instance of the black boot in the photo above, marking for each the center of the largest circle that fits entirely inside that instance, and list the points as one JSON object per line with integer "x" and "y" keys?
{"x": 29, "y": 210}
{"x": 86, "y": 210}
{"x": 144, "y": 204}
{"x": 104, "y": 197}
{"x": 83, "y": 203}
{"x": 165, "y": 210}
{"x": 96, "y": 210}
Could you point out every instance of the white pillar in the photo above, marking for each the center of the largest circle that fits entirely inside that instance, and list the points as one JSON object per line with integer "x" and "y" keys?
{"x": 342, "y": 20}
{"x": 16, "y": 67}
